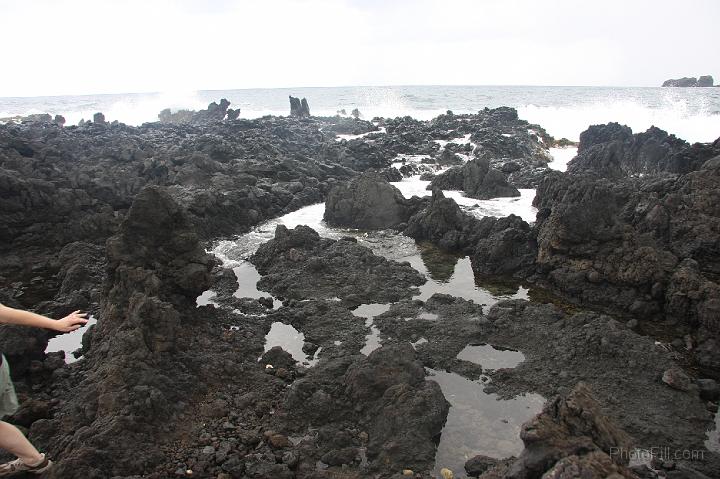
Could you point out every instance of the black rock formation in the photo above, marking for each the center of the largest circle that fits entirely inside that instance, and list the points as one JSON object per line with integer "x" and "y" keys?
{"x": 298, "y": 264}
{"x": 613, "y": 151}
{"x": 299, "y": 108}
{"x": 214, "y": 112}
{"x": 647, "y": 246}
{"x": 99, "y": 119}
{"x": 703, "y": 81}
{"x": 571, "y": 438}
{"x": 369, "y": 202}
{"x": 498, "y": 246}
{"x": 477, "y": 179}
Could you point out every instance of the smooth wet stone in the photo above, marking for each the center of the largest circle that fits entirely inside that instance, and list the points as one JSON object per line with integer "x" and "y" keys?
{"x": 676, "y": 378}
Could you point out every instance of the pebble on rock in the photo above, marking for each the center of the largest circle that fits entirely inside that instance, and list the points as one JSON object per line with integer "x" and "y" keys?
{"x": 446, "y": 473}
{"x": 676, "y": 378}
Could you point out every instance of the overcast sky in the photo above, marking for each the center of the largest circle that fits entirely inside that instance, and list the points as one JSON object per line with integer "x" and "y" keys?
{"x": 55, "y": 47}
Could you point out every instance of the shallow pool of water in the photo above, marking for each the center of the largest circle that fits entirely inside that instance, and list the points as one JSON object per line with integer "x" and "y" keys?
{"x": 491, "y": 357}
{"x": 69, "y": 342}
{"x": 461, "y": 282}
{"x": 206, "y": 298}
{"x": 479, "y": 423}
{"x": 247, "y": 278}
{"x": 369, "y": 311}
{"x": 291, "y": 340}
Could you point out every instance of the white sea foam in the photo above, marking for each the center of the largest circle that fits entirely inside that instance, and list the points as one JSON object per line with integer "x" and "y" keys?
{"x": 561, "y": 157}
{"x": 134, "y": 110}
{"x": 381, "y": 130}
{"x": 690, "y": 113}
{"x": 499, "y": 207}
{"x": 675, "y": 116}
{"x": 520, "y": 205}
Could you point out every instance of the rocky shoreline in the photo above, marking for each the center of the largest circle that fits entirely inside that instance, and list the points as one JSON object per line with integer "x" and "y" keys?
{"x": 117, "y": 220}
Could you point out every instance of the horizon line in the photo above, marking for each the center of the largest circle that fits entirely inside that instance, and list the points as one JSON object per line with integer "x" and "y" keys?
{"x": 330, "y": 87}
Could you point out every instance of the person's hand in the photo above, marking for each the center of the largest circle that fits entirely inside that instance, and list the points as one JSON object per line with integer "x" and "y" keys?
{"x": 71, "y": 322}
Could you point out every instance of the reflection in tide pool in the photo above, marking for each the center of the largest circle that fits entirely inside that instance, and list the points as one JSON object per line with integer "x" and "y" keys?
{"x": 479, "y": 423}
{"x": 291, "y": 340}
{"x": 460, "y": 283}
{"x": 369, "y": 311}
{"x": 446, "y": 273}
{"x": 247, "y": 278}
{"x": 69, "y": 342}
{"x": 206, "y": 298}
{"x": 491, "y": 357}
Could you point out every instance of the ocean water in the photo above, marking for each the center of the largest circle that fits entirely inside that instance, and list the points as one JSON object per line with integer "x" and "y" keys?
{"x": 690, "y": 113}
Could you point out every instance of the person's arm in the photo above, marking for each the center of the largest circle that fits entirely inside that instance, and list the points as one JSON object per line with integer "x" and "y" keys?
{"x": 71, "y": 322}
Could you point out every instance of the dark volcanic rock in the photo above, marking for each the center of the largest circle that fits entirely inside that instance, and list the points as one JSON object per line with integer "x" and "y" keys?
{"x": 156, "y": 269}
{"x": 648, "y": 246}
{"x": 498, "y": 246}
{"x": 165, "y": 386}
{"x": 476, "y": 179}
{"x": 479, "y": 464}
{"x": 560, "y": 349}
{"x": 298, "y": 264}
{"x": 703, "y": 81}
{"x": 680, "y": 82}
{"x": 399, "y": 411}
{"x": 299, "y": 108}
{"x": 369, "y": 202}
{"x": 214, "y": 112}
{"x": 99, "y": 119}
{"x": 444, "y": 223}
{"x": 612, "y": 151}
{"x": 572, "y": 438}
{"x": 21, "y": 346}
{"x": 507, "y": 249}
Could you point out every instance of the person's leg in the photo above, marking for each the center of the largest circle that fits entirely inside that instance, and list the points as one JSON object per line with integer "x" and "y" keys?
{"x": 12, "y": 440}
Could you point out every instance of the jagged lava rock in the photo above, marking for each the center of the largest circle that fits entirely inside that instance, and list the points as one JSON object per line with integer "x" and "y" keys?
{"x": 369, "y": 202}
{"x": 498, "y": 246}
{"x": 572, "y": 438}
{"x": 476, "y": 179}
{"x": 613, "y": 151}
{"x": 298, "y": 264}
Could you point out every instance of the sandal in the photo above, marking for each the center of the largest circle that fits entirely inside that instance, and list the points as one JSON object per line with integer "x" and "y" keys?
{"x": 16, "y": 466}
